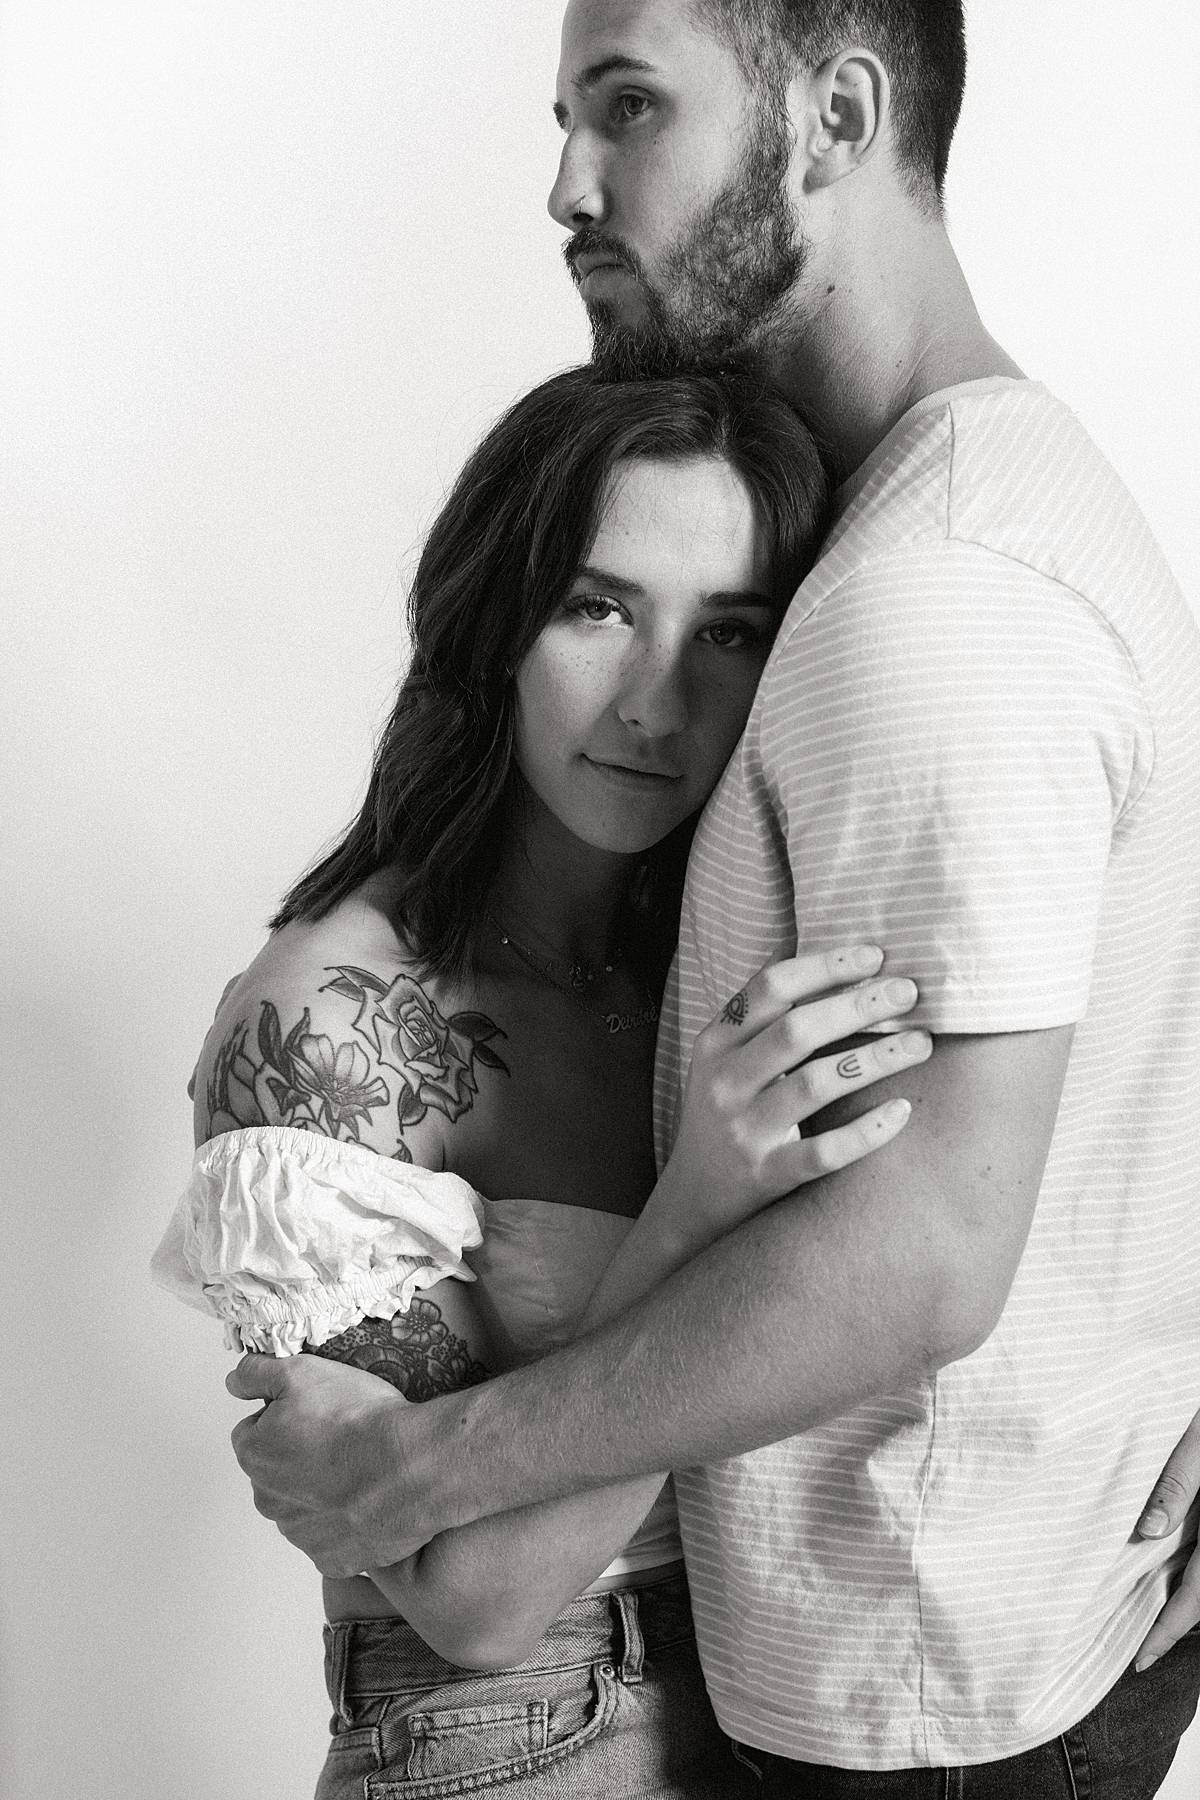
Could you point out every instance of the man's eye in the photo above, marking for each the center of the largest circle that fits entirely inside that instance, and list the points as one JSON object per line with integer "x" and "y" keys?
{"x": 632, "y": 106}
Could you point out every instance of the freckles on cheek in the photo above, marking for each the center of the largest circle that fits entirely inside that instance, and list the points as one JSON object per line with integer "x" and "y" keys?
{"x": 554, "y": 695}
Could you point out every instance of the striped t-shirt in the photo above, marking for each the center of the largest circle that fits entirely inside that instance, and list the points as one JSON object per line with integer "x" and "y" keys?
{"x": 977, "y": 743}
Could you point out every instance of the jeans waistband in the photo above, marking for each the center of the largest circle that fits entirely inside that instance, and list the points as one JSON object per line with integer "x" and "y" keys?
{"x": 369, "y": 1658}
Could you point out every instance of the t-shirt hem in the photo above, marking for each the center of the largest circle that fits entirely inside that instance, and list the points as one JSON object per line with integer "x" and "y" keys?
{"x": 930, "y": 1743}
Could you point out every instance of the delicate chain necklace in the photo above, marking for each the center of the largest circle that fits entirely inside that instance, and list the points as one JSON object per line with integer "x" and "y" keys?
{"x": 580, "y": 978}
{"x": 580, "y": 974}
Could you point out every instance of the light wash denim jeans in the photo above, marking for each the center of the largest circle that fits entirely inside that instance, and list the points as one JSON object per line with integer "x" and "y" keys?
{"x": 611, "y": 1703}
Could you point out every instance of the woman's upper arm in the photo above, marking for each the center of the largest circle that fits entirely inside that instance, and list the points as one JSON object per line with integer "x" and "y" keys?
{"x": 363, "y": 1056}
{"x": 373, "y": 1056}
{"x": 436, "y": 1347}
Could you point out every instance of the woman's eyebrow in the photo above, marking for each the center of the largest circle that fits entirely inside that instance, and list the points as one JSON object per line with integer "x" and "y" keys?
{"x": 620, "y": 584}
{"x": 744, "y": 597}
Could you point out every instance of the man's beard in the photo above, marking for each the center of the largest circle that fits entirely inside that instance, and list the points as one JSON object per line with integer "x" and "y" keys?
{"x": 721, "y": 287}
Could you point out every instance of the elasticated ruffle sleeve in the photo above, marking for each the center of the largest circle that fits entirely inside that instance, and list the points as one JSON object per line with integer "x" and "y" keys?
{"x": 290, "y": 1238}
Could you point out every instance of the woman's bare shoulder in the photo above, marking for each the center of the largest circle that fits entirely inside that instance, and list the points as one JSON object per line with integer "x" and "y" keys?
{"x": 336, "y": 1028}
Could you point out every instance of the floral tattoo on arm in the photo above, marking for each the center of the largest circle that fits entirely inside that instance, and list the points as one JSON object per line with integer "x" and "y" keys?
{"x": 416, "y": 1352}
{"x": 403, "y": 1056}
{"x": 400, "y": 1054}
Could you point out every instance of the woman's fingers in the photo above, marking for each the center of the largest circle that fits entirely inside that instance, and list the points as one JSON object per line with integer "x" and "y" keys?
{"x": 781, "y": 1047}
{"x": 779, "y": 986}
{"x": 808, "y": 1090}
{"x": 806, "y": 1159}
{"x": 756, "y": 1073}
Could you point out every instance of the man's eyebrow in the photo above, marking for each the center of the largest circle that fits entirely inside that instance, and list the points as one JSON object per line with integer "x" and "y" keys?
{"x": 616, "y": 64}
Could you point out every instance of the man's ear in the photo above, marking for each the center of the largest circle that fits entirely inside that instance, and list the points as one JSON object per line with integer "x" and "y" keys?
{"x": 849, "y": 104}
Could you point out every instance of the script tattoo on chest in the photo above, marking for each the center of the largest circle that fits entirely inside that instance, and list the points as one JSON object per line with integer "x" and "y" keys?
{"x": 400, "y": 1056}
{"x": 416, "y": 1351}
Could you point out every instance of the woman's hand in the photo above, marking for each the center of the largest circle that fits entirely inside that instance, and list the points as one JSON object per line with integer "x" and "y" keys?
{"x": 751, "y": 1086}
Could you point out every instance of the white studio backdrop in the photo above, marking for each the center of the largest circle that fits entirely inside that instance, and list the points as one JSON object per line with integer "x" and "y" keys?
{"x": 268, "y": 269}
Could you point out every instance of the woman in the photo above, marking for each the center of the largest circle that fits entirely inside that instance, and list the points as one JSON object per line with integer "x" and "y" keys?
{"x": 459, "y": 1002}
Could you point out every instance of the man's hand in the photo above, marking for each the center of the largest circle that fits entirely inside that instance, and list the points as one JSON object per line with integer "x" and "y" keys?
{"x": 319, "y": 1455}
{"x": 1166, "y": 1508}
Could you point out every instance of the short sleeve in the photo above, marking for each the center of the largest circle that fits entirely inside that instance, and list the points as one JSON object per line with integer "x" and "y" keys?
{"x": 948, "y": 743}
{"x": 290, "y": 1237}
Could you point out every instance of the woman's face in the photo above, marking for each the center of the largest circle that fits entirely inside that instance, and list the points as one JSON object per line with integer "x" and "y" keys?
{"x": 633, "y": 696}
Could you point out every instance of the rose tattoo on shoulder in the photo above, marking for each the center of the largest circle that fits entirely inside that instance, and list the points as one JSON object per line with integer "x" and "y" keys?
{"x": 407, "y": 1056}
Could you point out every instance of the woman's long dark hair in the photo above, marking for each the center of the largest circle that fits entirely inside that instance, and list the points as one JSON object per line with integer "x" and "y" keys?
{"x": 507, "y": 544}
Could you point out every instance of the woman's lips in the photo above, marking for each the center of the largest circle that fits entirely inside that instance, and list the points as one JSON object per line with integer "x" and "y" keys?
{"x": 624, "y": 775}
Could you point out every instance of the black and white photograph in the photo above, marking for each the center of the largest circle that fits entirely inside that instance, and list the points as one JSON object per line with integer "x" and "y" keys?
{"x": 602, "y": 797}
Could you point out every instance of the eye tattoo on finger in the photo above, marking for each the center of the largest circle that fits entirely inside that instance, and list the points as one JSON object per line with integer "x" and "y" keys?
{"x": 850, "y": 1068}
{"x": 734, "y": 1011}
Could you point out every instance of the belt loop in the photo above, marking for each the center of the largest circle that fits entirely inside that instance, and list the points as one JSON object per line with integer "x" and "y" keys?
{"x": 339, "y": 1667}
{"x": 625, "y": 1601}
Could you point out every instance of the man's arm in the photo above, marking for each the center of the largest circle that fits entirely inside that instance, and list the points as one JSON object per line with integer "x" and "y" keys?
{"x": 873, "y": 1277}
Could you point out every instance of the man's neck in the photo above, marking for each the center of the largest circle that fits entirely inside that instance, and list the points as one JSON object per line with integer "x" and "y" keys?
{"x": 889, "y": 326}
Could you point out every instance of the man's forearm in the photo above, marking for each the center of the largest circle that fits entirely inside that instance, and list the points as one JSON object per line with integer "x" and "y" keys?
{"x": 855, "y": 1287}
{"x": 738, "y": 1349}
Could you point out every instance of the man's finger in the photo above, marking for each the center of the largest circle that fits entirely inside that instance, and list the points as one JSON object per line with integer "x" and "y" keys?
{"x": 243, "y": 1433}
{"x": 1175, "y": 1488}
{"x": 258, "y": 1378}
{"x": 1181, "y": 1612}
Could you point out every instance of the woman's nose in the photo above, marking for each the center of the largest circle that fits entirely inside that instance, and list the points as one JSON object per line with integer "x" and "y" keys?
{"x": 577, "y": 197}
{"x": 654, "y": 697}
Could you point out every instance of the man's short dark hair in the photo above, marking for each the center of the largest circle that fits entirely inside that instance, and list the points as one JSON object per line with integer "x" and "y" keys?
{"x": 921, "y": 43}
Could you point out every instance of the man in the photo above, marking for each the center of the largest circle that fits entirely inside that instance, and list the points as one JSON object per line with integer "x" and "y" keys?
{"x": 977, "y": 743}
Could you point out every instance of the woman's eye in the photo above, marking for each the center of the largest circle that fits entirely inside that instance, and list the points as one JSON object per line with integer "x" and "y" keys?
{"x": 595, "y": 608}
{"x": 733, "y": 634}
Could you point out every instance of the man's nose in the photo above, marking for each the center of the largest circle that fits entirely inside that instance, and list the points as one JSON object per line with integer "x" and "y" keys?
{"x": 577, "y": 197}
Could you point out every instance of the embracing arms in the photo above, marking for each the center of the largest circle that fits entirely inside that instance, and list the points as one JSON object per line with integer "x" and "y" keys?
{"x": 879, "y": 1273}
{"x": 498, "y": 1582}
{"x": 883, "y": 1268}
{"x": 481, "y": 1595}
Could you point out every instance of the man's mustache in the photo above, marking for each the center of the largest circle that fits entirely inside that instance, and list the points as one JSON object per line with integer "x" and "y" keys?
{"x": 590, "y": 242}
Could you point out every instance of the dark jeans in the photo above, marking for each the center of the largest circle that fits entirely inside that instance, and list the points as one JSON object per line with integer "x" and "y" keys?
{"x": 1121, "y": 1751}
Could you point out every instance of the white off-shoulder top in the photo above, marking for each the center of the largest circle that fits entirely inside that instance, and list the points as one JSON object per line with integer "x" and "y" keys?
{"x": 289, "y": 1238}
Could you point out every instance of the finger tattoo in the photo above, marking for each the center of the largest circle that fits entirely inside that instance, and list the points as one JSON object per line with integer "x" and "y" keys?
{"x": 850, "y": 1068}
{"x": 734, "y": 1011}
